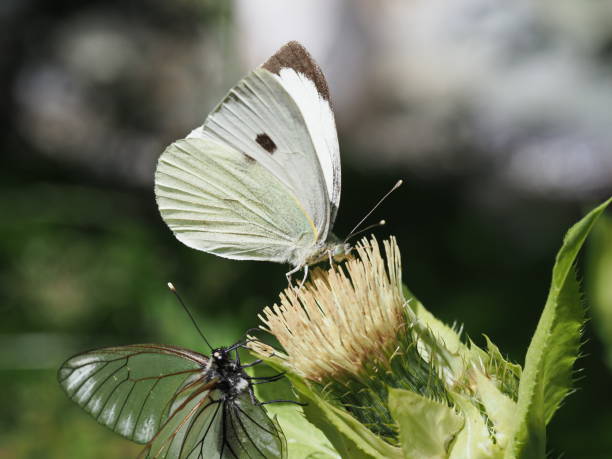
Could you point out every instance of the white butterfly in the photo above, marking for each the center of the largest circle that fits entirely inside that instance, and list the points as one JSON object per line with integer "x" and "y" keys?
{"x": 260, "y": 180}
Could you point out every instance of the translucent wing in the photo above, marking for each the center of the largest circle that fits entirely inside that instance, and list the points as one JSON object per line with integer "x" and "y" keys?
{"x": 209, "y": 427}
{"x": 250, "y": 431}
{"x": 278, "y": 116}
{"x": 130, "y": 389}
{"x": 220, "y": 200}
{"x": 193, "y": 430}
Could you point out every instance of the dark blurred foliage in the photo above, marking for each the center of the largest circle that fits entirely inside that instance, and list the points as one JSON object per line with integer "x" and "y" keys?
{"x": 85, "y": 257}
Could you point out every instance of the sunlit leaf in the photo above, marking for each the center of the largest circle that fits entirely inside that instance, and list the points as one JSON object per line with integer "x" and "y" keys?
{"x": 500, "y": 408}
{"x": 426, "y": 427}
{"x": 473, "y": 440}
{"x": 599, "y": 279}
{"x": 547, "y": 375}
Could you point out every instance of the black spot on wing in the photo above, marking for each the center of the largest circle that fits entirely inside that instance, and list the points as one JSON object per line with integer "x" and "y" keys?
{"x": 266, "y": 142}
{"x": 295, "y": 56}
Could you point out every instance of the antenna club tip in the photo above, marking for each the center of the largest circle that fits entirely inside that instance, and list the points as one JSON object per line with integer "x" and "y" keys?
{"x": 399, "y": 183}
{"x": 171, "y": 287}
{"x": 382, "y": 222}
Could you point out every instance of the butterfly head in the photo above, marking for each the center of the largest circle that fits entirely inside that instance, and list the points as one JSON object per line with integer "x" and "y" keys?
{"x": 220, "y": 356}
{"x": 340, "y": 251}
{"x": 223, "y": 363}
{"x": 333, "y": 249}
{"x": 231, "y": 378}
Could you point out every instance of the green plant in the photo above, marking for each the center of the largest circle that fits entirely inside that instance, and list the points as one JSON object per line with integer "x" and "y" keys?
{"x": 382, "y": 377}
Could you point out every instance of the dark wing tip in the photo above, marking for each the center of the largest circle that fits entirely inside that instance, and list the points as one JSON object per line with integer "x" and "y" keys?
{"x": 295, "y": 56}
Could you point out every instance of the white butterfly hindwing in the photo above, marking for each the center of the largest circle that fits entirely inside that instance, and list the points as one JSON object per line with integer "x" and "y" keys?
{"x": 221, "y": 201}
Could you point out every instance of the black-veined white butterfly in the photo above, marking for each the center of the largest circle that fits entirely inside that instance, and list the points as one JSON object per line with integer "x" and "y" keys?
{"x": 177, "y": 402}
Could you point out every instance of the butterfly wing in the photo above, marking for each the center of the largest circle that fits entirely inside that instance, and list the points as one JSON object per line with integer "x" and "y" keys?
{"x": 220, "y": 200}
{"x": 215, "y": 428}
{"x": 279, "y": 118}
{"x": 250, "y": 432}
{"x": 302, "y": 78}
{"x": 194, "y": 429}
{"x": 131, "y": 389}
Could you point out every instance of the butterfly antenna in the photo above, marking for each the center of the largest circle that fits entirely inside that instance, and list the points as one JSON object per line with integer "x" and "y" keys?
{"x": 380, "y": 201}
{"x": 369, "y": 227}
{"x": 180, "y": 300}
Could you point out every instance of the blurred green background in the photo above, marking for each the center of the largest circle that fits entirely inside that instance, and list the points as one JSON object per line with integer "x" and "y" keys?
{"x": 496, "y": 116}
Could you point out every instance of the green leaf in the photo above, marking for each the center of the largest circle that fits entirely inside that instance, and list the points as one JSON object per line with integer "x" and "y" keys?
{"x": 304, "y": 440}
{"x": 547, "y": 376}
{"x": 444, "y": 333}
{"x": 500, "y": 408}
{"x": 426, "y": 427}
{"x": 503, "y": 366}
{"x": 349, "y": 437}
{"x": 437, "y": 341}
{"x": 505, "y": 374}
{"x": 473, "y": 441}
{"x": 599, "y": 274}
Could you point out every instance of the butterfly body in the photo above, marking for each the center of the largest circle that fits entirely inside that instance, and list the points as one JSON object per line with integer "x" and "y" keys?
{"x": 260, "y": 179}
{"x": 332, "y": 249}
{"x": 232, "y": 380}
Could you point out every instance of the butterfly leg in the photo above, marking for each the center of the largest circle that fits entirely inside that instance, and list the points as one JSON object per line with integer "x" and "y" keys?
{"x": 235, "y": 346}
{"x": 258, "y": 403}
{"x": 291, "y": 273}
{"x": 253, "y": 363}
{"x": 281, "y": 401}
{"x": 264, "y": 379}
{"x": 305, "y": 276}
{"x": 264, "y": 382}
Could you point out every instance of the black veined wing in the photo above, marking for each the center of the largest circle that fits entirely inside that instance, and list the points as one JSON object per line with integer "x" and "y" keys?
{"x": 180, "y": 403}
{"x": 235, "y": 428}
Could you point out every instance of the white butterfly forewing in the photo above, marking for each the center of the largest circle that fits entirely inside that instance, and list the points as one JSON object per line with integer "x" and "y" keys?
{"x": 259, "y": 117}
{"x": 319, "y": 120}
{"x": 304, "y": 81}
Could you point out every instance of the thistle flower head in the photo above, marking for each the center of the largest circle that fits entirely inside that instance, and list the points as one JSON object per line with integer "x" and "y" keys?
{"x": 344, "y": 319}
{"x": 349, "y": 331}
